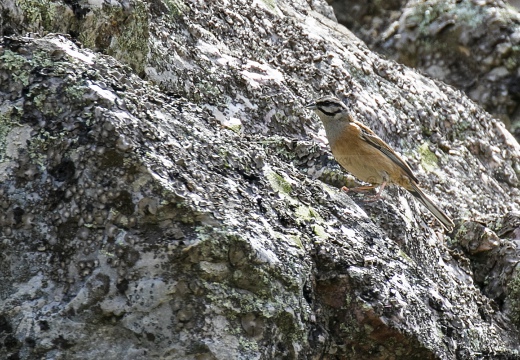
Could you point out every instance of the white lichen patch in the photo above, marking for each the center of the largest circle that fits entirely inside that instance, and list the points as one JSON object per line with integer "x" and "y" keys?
{"x": 258, "y": 74}
{"x": 16, "y": 140}
{"x": 103, "y": 93}
{"x": 72, "y": 51}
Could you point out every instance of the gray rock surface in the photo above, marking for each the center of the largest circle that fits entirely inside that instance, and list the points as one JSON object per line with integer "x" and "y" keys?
{"x": 470, "y": 44}
{"x": 196, "y": 214}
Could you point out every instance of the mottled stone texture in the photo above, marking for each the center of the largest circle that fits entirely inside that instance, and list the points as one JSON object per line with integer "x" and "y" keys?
{"x": 473, "y": 45}
{"x": 168, "y": 197}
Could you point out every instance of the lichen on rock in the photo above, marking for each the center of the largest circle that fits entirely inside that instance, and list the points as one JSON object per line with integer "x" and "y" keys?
{"x": 136, "y": 222}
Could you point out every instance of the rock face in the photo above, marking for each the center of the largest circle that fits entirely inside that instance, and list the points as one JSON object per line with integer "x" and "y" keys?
{"x": 472, "y": 45}
{"x": 164, "y": 194}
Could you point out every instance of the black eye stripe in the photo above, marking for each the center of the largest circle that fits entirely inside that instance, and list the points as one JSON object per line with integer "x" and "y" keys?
{"x": 333, "y": 103}
{"x": 329, "y": 107}
{"x": 328, "y": 112}
{"x": 327, "y": 103}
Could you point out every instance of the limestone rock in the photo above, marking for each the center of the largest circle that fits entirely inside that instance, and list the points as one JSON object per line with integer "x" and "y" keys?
{"x": 170, "y": 197}
{"x": 472, "y": 45}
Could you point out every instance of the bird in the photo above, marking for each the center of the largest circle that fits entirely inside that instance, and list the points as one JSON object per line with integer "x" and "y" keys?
{"x": 366, "y": 156}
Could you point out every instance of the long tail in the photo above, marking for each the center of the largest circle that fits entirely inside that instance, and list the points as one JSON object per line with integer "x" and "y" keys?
{"x": 444, "y": 219}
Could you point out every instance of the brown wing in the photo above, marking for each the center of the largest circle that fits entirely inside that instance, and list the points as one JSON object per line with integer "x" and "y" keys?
{"x": 371, "y": 138}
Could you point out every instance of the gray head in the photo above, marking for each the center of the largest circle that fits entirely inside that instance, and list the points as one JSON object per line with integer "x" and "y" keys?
{"x": 329, "y": 108}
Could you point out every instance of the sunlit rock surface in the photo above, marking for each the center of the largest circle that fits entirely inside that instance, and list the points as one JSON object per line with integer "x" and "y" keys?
{"x": 173, "y": 199}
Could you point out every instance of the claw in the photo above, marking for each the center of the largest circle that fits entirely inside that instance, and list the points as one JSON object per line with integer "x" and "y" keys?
{"x": 376, "y": 197}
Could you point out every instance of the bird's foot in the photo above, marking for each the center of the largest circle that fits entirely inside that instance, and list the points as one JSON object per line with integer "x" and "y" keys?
{"x": 358, "y": 189}
{"x": 372, "y": 198}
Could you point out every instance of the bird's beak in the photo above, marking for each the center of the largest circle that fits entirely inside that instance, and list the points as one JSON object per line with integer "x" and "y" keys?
{"x": 311, "y": 106}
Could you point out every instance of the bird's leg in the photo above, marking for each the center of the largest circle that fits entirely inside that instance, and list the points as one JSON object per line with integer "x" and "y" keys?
{"x": 377, "y": 196}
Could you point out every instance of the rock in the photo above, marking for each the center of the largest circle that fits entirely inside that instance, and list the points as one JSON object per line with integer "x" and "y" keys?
{"x": 462, "y": 43}
{"x": 135, "y": 224}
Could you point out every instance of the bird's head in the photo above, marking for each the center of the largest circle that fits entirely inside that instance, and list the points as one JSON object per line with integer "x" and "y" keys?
{"x": 329, "y": 108}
